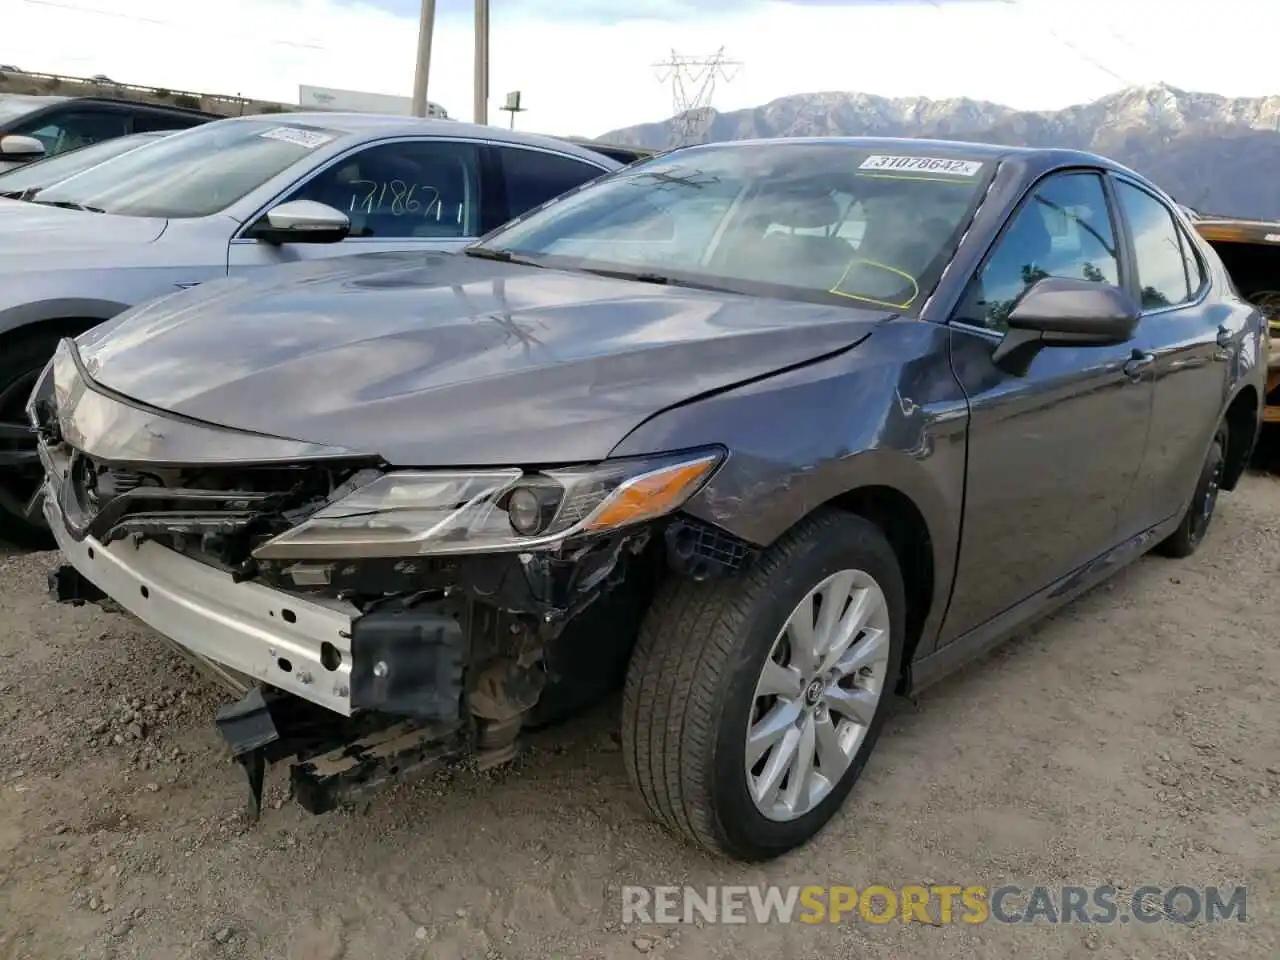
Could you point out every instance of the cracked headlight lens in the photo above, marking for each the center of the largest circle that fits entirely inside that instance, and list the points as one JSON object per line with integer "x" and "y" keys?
{"x": 408, "y": 513}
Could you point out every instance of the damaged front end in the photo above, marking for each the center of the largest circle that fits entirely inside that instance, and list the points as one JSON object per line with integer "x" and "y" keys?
{"x": 373, "y": 621}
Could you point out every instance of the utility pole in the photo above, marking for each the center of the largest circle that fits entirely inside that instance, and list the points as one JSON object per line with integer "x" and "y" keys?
{"x": 693, "y": 84}
{"x": 426, "y": 27}
{"x": 482, "y": 63}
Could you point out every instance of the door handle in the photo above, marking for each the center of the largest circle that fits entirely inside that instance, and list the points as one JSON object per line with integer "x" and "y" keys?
{"x": 1138, "y": 362}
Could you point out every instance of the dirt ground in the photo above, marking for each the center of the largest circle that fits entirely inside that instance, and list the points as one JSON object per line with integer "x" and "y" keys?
{"x": 1133, "y": 739}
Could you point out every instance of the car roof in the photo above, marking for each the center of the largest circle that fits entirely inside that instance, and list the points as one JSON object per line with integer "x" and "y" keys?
{"x": 1046, "y": 157}
{"x": 366, "y": 124}
{"x": 144, "y": 105}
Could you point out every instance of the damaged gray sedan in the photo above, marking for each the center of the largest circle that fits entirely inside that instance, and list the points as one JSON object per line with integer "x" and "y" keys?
{"x": 762, "y": 433}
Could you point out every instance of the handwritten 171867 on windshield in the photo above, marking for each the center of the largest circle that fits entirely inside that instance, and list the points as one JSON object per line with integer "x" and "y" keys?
{"x": 395, "y": 197}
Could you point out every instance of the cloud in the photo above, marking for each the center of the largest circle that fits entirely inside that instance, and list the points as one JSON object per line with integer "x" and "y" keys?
{"x": 583, "y": 71}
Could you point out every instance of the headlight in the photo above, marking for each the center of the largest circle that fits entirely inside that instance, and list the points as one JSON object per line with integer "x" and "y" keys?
{"x": 427, "y": 513}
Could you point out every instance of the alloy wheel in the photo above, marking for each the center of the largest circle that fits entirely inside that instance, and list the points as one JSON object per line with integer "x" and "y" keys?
{"x": 816, "y": 695}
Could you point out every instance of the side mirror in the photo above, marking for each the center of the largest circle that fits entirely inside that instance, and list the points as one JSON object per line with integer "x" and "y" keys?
{"x": 301, "y": 221}
{"x": 14, "y": 146}
{"x": 1059, "y": 312}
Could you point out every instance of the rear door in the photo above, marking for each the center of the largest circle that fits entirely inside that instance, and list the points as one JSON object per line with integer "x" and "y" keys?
{"x": 405, "y": 194}
{"x": 1054, "y": 452}
{"x": 1187, "y": 334}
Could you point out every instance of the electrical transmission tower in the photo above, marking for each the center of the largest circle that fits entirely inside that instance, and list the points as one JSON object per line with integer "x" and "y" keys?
{"x": 693, "y": 84}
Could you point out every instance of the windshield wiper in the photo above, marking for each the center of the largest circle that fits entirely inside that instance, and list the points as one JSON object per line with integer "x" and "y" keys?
{"x": 12, "y": 194}
{"x": 660, "y": 279}
{"x": 502, "y": 256}
{"x": 68, "y": 205}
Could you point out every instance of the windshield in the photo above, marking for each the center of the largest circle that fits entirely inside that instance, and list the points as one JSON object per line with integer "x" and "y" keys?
{"x": 64, "y": 165}
{"x": 194, "y": 173}
{"x": 828, "y": 221}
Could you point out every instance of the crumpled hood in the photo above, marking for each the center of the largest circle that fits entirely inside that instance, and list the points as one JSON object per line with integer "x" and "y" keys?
{"x": 438, "y": 359}
{"x": 38, "y": 230}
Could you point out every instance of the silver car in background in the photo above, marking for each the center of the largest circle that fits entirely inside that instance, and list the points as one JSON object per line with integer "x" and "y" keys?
{"x": 235, "y": 196}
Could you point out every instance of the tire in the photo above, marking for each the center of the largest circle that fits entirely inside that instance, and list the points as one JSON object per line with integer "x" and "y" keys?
{"x": 22, "y": 357}
{"x": 1186, "y": 539}
{"x": 692, "y": 684}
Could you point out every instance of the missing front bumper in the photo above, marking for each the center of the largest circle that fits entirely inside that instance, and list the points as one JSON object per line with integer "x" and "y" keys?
{"x": 356, "y": 700}
{"x": 336, "y": 761}
{"x": 294, "y": 644}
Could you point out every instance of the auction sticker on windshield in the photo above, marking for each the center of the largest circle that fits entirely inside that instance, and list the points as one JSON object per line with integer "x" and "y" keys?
{"x": 303, "y": 138}
{"x": 933, "y": 165}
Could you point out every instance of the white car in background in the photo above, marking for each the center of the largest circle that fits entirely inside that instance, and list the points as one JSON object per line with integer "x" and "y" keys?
{"x": 232, "y": 197}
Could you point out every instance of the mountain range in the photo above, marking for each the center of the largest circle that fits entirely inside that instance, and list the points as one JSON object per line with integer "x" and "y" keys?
{"x": 1220, "y": 155}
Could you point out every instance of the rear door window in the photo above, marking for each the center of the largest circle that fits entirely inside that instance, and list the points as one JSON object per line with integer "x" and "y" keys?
{"x": 532, "y": 177}
{"x": 146, "y": 121}
{"x": 1160, "y": 259}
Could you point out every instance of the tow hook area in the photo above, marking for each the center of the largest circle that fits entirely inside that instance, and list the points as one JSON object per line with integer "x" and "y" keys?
{"x": 69, "y": 585}
{"x": 406, "y": 690}
{"x": 336, "y": 760}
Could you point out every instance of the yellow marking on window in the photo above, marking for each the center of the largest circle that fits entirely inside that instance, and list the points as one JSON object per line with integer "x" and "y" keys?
{"x": 880, "y": 303}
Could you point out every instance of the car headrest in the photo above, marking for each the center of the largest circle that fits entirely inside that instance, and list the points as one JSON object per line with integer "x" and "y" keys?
{"x": 804, "y": 211}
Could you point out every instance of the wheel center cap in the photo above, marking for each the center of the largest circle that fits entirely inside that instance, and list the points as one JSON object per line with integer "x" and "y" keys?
{"x": 813, "y": 692}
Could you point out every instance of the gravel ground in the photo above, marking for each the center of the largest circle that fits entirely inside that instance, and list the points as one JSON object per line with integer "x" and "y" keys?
{"x": 1132, "y": 739}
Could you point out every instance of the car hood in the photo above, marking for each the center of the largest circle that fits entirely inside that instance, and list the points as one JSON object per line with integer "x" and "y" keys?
{"x": 27, "y": 228}
{"x": 451, "y": 360}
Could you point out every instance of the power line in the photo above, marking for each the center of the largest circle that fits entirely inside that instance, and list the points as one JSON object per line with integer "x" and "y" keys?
{"x": 1048, "y": 28}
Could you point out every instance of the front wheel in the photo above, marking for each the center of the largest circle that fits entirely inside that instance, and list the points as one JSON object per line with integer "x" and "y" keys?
{"x": 1184, "y": 541}
{"x": 752, "y": 704}
{"x": 22, "y": 358}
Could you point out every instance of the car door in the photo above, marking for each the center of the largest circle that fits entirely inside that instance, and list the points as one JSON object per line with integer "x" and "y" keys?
{"x": 1053, "y": 450}
{"x": 528, "y": 177}
{"x": 403, "y": 194}
{"x": 1187, "y": 336}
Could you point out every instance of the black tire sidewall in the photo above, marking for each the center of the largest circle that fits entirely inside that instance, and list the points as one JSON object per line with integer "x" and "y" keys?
{"x": 744, "y": 828}
{"x": 19, "y": 355}
{"x": 1217, "y": 454}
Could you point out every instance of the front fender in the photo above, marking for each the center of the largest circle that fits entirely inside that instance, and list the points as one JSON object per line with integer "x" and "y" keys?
{"x": 801, "y": 439}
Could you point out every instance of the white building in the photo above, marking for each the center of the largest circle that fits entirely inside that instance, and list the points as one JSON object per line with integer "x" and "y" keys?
{"x": 357, "y": 101}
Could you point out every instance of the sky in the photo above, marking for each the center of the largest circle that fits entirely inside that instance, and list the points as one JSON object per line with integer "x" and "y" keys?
{"x": 587, "y": 66}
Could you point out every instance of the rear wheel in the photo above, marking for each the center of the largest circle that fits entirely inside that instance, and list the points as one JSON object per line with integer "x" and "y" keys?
{"x": 1185, "y": 540}
{"x": 753, "y": 703}
{"x": 22, "y": 357}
